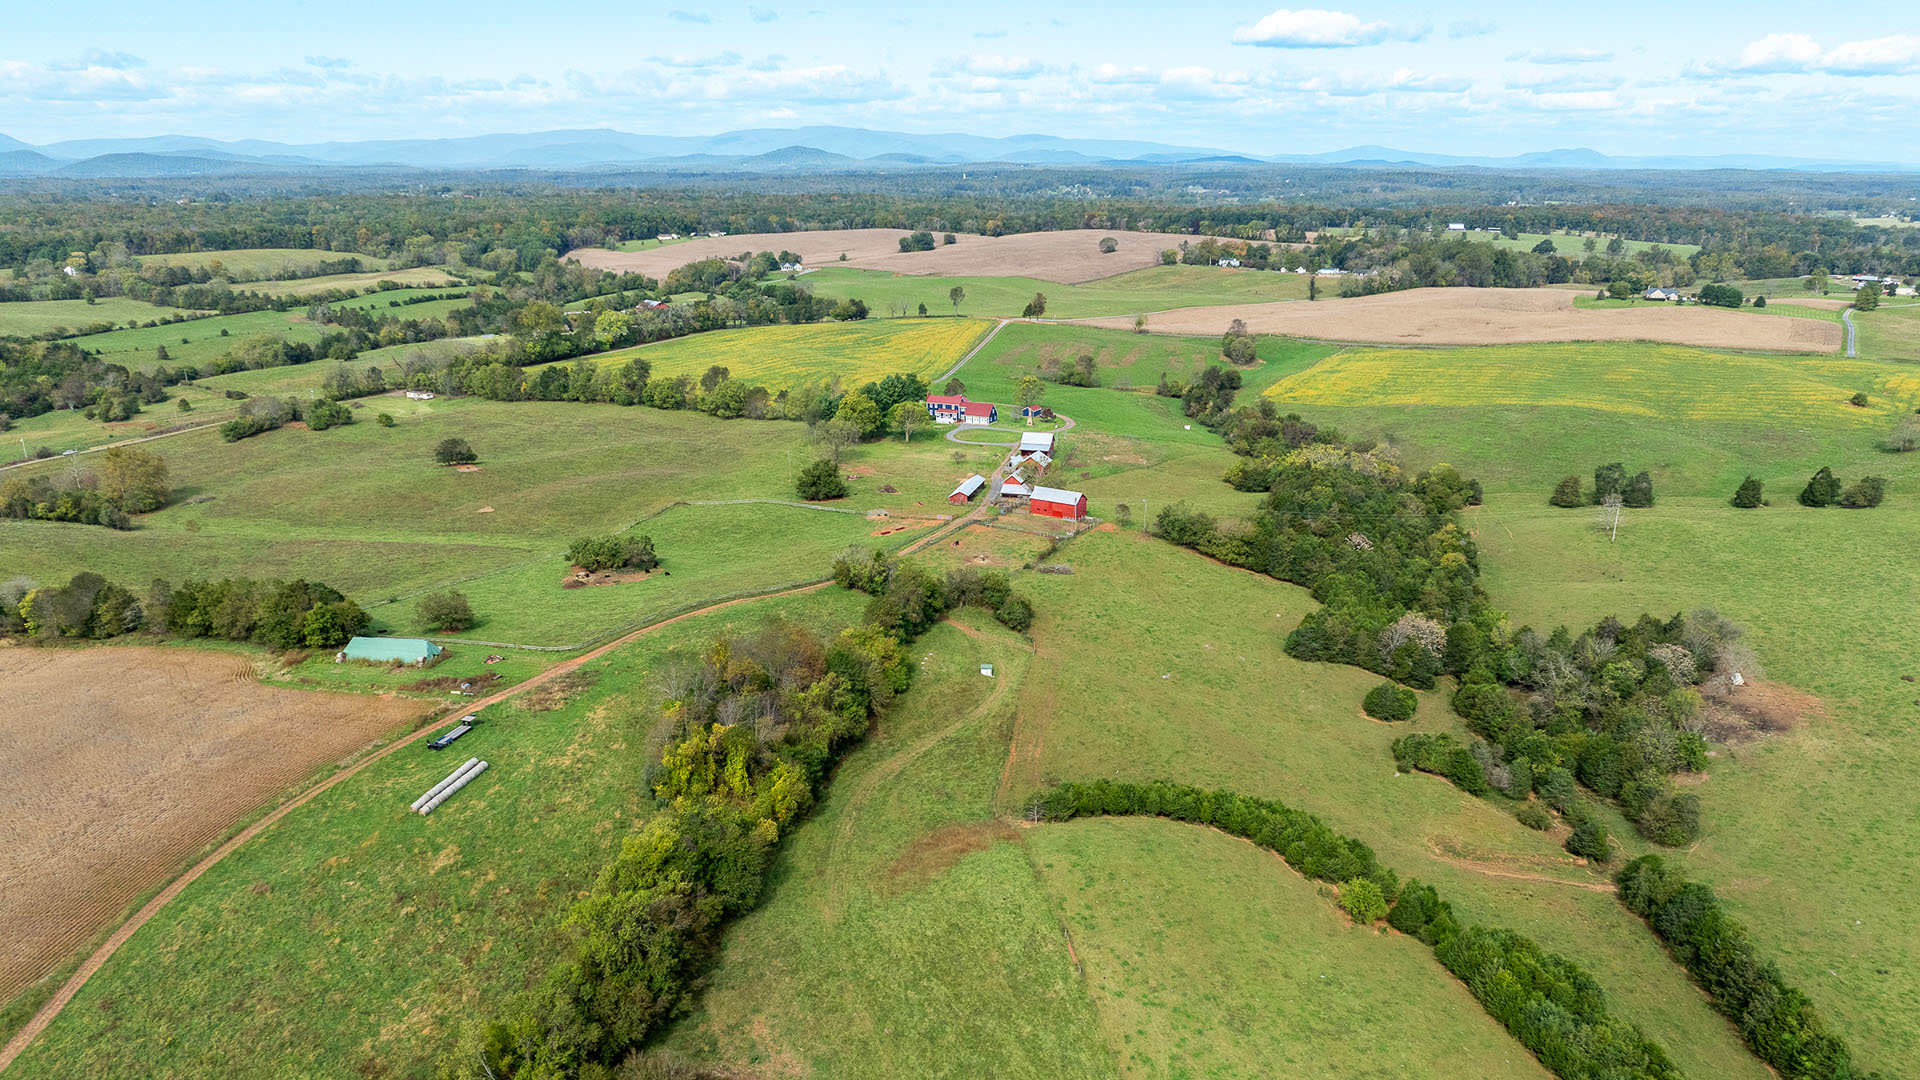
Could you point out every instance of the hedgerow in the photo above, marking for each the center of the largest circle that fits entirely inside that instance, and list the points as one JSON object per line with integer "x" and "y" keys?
{"x": 1778, "y": 1021}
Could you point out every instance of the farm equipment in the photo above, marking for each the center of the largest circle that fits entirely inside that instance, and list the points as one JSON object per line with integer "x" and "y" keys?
{"x": 466, "y": 724}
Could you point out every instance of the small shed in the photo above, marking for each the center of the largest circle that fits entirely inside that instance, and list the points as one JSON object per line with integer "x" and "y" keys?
{"x": 1014, "y": 486}
{"x": 388, "y": 650}
{"x": 1058, "y": 503}
{"x": 967, "y": 489}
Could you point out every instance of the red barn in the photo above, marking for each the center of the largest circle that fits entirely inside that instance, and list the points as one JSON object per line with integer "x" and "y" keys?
{"x": 964, "y": 493}
{"x": 1059, "y": 503}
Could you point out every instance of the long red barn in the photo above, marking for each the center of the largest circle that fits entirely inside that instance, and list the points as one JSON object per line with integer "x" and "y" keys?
{"x": 1059, "y": 503}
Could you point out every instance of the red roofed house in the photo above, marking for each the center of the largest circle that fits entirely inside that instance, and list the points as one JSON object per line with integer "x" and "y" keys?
{"x": 946, "y": 409}
{"x": 1059, "y": 503}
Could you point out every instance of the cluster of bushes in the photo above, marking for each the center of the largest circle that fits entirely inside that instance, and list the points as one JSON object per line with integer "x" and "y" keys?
{"x": 613, "y": 552}
{"x": 1824, "y": 490}
{"x": 1778, "y": 1021}
{"x": 444, "y": 612}
{"x": 1237, "y": 344}
{"x": 1442, "y": 755}
{"x": 1390, "y": 702}
{"x": 265, "y": 414}
{"x": 1616, "y": 708}
{"x": 751, "y": 735}
{"x": 908, "y": 599}
{"x": 1383, "y": 552}
{"x": 1084, "y": 371}
{"x": 130, "y": 481}
{"x": 1553, "y": 1007}
{"x": 820, "y": 481}
{"x": 37, "y": 378}
{"x": 281, "y": 615}
{"x": 1608, "y": 480}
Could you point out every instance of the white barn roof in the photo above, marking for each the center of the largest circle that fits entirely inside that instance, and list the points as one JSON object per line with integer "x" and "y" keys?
{"x": 1057, "y": 495}
{"x": 970, "y": 485}
{"x": 1036, "y": 440}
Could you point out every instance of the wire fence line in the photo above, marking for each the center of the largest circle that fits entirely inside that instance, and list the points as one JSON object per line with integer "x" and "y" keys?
{"x": 669, "y": 614}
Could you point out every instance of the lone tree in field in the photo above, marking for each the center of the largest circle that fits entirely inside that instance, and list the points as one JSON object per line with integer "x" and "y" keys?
{"x": 1108, "y": 245}
{"x": 954, "y": 388}
{"x": 1028, "y": 390}
{"x": 1822, "y": 490}
{"x": 1036, "y": 307}
{"x": 1868, "y": 297}
{"x": 1609, "y": 480}
{"x": 1749, "y": 496}
{"x": 906, "y": 416}
{"x": 1567, "y": 493}
{"x": 954, "y": 296}
{"x": 133, "y": 479}
{"x": 836, "y": 435}
{"x": 444, "y": 612}
{"x": 454, "y": 452}
{"x": 820, "y": 480}
{"x": 1905, "y": 437}
{"x": 1865, "y": 493}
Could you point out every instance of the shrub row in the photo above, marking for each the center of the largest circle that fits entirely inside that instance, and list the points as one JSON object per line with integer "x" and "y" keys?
{"x": 277, "y": 614}
{"x": 1552, "y": 1006}
{"x": 908, "y": 598}
{"x": 1778, "y": 1021}
{"x": 613, "y": 552}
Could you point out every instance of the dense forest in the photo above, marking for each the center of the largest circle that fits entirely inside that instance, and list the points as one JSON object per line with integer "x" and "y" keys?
{"x": 518, "y": 226}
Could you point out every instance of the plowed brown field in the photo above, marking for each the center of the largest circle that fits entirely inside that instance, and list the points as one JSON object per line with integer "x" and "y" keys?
{"x": 1068, "y": 257}
{"x": 1496, "y": 317}
{"x": 116, "y": 764}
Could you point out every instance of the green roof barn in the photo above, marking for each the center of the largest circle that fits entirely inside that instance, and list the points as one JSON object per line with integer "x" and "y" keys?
{"x": 386, "y": 650}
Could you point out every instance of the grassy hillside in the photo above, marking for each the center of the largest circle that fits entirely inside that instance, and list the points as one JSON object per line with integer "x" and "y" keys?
{"x": 1198, "y": 691}
{"x": 1206, "y": 956}
{"x": 28, "y": 318}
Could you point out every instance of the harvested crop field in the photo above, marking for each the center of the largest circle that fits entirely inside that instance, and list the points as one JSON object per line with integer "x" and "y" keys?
{"x": 123, "y": 762}
{"x": 1070, "y": 256}
{"x": 1493, "y": 317}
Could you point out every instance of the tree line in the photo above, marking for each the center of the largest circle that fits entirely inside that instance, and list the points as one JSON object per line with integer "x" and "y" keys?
{"x": 275, "y": 614}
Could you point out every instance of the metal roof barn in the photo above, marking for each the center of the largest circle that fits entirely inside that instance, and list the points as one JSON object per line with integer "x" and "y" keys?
{"x": 385, "y": 650}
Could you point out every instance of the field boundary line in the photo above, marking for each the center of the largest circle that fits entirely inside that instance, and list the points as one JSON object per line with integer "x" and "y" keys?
{"x": 998, "y": 326}
{"x": 49, "y": 1011}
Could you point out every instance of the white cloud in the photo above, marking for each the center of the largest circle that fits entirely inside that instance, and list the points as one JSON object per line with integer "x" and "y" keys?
{"x": 1467, "y": 28}
{"x": 1312, "y": 28}
{"x": 1114, "y": 74}
{"x": 689, "y": 16}
{"x": 1563, "y": 82}
{"x": 1896, "y": 55}
{"x": 761, "y": 15}
{"x": 1567, "y": 56}
{"x": 330, "y": 62}
{"x": 1001, "y": 67}
{"x": 1405, "y": 81}
{"x": 1800, "y": 54}
{"x": 1778, "y": 53}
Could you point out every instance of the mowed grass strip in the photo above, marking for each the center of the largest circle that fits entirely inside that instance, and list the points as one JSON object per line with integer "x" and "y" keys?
{"x": 781, "y": 357}
{"x": 1664, "y": 382}
{"x": 903, "y": 933}
{"x": 355, "y": 936}
{"x": 1207, "y": 956}
{"x": 1199, "y": 690}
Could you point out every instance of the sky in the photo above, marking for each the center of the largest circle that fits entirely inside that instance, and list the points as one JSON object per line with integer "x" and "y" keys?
{"x": 1839, "y": 82}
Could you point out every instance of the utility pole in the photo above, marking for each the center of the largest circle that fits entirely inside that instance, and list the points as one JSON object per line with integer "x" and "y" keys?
{"x": 1610, "y": 509}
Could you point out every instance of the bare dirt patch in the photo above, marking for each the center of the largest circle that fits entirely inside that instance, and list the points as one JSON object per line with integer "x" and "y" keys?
{"x": 466, "y": 468}
{"x": 1758, "y": 708}
{"x": 1496, "y": 317}
{"x": 125, "y": 761}
{"x": 444, "y": 683}
{"x": 556, "y": 692}
{"x": 1068, "y": 256}
{"x": 578, "y": 578}
{"x": 936, "y": 852}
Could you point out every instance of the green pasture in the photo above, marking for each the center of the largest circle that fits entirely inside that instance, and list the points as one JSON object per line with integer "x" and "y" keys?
{"x": 33, "y": 317}
{"x": 904, "y": 911}
{"x": 262, "y": 263}
{"x": 365, "y": 509}
{"x": 1207, "y": 956}
{"x": 431, "y": 277}
{"x": 1197, "y": 689}
{"x": 1155, "y": 288}
{"x": 354, "y": 937}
